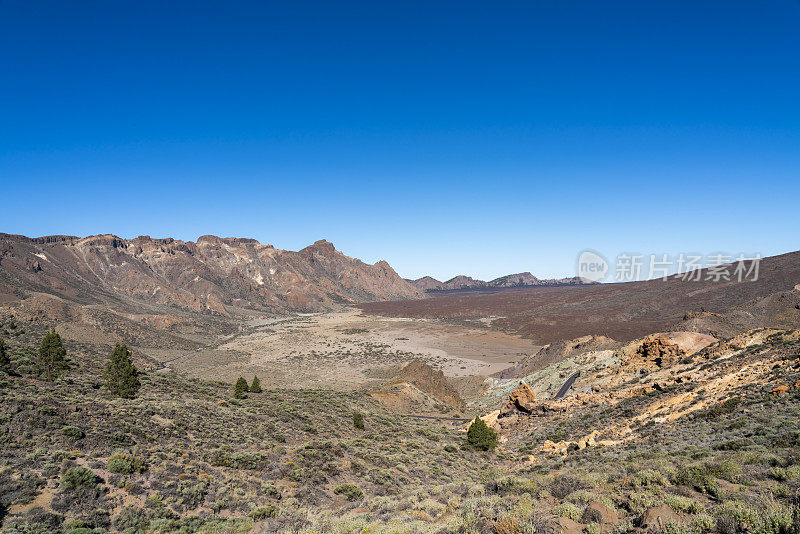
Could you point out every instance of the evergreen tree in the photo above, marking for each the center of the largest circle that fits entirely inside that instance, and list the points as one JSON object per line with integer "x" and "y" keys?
{"x": 480, "y": 436}
{"x": 255, "y": 387}
{"x": 4, "y": 361}
{"x": 358, "y": 420}
{"x": 240, "y": 389}
{"x": 52, "y": 356}
{"x": 122, "y": 377}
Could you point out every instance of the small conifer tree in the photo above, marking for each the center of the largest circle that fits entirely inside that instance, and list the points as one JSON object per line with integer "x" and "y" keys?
{"x": 122, "y": 377}
{"x": 480, "y": 436}
{"x": 240, "y": 388}
{"x": 358, "y": 420}
{"x": 52, "y": 356}
{"x": 255, "y": 387}
{"x": 4, "y": 361}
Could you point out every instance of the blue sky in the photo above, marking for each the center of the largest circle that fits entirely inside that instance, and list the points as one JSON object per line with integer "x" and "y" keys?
{"x": 444, "y": 137}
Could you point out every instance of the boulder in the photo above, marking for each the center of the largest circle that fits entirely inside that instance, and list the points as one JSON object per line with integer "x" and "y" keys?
{"x": 521, "y": 399}
{"x": 587, "y": 441}
{"x": 598, "y": 512}
{"x": 780, "y": 390}
{"x": 565, "y": 525}
{"x": 658, "y": 516}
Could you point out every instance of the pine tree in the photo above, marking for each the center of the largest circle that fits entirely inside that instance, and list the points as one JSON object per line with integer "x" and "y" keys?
{"x": 255, "y": 387}
{"x": 358, "y": 420}
{"x": 122, "y": 377}
{"x": 4, "y": 361}
{"x": 480, "y": 436}
{"x": 240, "y": 389}
{"x": 52, "y": 356}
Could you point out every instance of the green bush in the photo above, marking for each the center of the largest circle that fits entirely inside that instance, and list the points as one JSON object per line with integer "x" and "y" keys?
{"x": 729, "y": 406}
{"x": 351, "y": 492}
{"x": 480, "y": 436}
{"x": 73, "y": 432}
{"x": 125, "y": 464}
{"x": 358, "y": 421}
{"x": 78, "y": 477}
{"x": 263, "y": 512}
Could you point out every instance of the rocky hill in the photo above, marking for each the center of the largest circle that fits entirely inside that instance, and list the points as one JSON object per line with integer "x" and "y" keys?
{"x": 211, "y": 275}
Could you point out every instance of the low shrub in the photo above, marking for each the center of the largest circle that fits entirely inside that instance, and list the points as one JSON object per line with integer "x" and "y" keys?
{"x": 78, "y": 477}
{"x": 263, "y": 512}
{"x": 73, "y": 432}
{"x": 351, "y": 492}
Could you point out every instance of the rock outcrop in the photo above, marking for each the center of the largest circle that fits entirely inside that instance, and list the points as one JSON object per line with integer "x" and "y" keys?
{"x": 522, "y": 399}
{"x": 418, "y": 387}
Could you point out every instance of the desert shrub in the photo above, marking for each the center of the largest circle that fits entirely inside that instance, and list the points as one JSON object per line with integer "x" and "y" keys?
{"x": 78, "y": 477}
{"x": 73, "y": 432}
{"x": 673, "y": 527}
{"x": 507, "y": 524}
{"x": 726, "y": 407}
{"x": 358, "y": 420}
{"x": 240, "y": 460}
{"x": 351, "y": 492}
{"x": 702, "y": 477}
{"x": 125, "y": 464}
{"x": 738, "y": 516}
{"x": 649, "y": 477}
{"x": 569, "y": 510}
{"x": 735, "y": 444}
{"x": 702, "y": 523}
{"x": 481, "y": 437}
{"x": 263, "y": 512}
{"x": 563, "y": 485}
{"x": 272, "y": 491}
{"x": 683, "y": 504}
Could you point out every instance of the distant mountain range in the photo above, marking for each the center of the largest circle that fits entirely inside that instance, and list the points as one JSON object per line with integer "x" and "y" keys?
{"x": 526, "y": 279}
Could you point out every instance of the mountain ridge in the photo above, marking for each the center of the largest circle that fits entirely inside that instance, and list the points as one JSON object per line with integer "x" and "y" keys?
{"x": 525, "y": 279}
{"x": 210, "y": 275}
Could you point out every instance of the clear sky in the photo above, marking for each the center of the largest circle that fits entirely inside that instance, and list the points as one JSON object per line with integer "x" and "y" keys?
{"x": 445, "y": 137}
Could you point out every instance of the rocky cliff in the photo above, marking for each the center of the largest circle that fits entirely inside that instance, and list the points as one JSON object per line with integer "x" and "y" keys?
{"x": 211, "y": 275}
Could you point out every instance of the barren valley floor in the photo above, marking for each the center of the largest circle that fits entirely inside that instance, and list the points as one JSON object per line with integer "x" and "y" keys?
{"x": 348, "y": 349}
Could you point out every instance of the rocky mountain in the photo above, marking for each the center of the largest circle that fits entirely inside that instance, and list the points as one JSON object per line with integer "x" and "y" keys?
{"x": 212, "y": 275}
{"x": 526, "y": 279}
